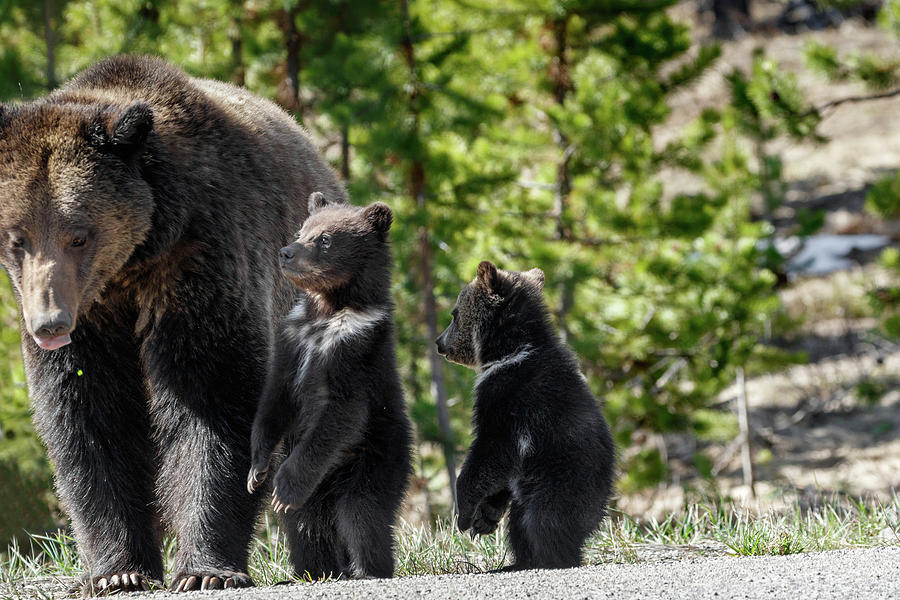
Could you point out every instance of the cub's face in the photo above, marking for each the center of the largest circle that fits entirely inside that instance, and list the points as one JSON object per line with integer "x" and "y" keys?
{"x": 459, "y": 342}
{"x": 335, "y": 243}
{"x": 474, "y": 309}
{"x": 72, "y": 207}
{"x": 479, "y": 306}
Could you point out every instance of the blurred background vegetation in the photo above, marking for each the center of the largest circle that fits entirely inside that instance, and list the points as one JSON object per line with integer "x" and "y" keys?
{"x": 526, "y": 132}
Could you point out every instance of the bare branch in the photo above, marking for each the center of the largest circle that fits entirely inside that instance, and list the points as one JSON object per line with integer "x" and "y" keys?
{"x": 851, "y": 99}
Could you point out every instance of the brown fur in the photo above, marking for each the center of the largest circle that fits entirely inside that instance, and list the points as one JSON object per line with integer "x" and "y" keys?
{"x": 182, "y": 191}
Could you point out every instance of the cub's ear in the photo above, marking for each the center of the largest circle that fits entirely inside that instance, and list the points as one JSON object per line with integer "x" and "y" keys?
{"x": 379, "y": 215}
{"x": 488, "y": 276}
{"x": 317, "y": 201}
{"x": 128, "y": 133}
{"x": 536, "y": 276}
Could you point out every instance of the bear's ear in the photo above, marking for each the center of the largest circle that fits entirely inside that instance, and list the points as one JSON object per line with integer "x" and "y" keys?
{"x": 379, "y": 215}
{"x": 488, "y": 276}
{"x": 131, "y": 129}
{"x": 317, "y": 201}
{"x": 536, "y": 276}
{"x": 128, "y": 133}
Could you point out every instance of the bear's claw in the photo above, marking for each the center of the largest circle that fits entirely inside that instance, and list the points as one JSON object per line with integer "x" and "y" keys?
{"x": 215, "y": 580}
{"x": 255, "y": 477}
{"x": 125, "y": 581}
{"x": 279, "y": 505}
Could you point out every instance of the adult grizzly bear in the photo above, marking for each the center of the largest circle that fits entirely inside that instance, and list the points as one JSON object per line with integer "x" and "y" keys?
{"x": 141, "y": 214}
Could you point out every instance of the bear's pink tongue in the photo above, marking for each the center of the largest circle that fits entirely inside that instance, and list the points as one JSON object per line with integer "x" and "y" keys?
{"x": 53, "y": 343}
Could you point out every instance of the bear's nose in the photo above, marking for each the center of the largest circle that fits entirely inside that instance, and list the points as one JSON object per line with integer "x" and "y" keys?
{"x": 50, "y": 325}
{"x": 440, "y": 346}
{"x": 286, "y": 253}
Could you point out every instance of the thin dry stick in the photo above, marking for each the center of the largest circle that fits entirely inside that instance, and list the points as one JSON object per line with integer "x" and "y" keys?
{"x": 851, "y": 99}
{"x": 744, "y": 421}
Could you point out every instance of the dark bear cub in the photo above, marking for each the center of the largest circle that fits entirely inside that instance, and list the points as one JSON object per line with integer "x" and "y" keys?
{"x": 542, "y": 446}
{"x": 333, "y": 396}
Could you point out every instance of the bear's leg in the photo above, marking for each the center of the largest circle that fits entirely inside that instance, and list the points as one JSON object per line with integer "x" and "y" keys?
{"x": 546, "y": 534}
{"x": 519, "y": 540}
{"x": 313, "y": 541}
{"x": 366, "y": 512}
{"x": 205, "y": 380}
{"x": 90, "y": 409}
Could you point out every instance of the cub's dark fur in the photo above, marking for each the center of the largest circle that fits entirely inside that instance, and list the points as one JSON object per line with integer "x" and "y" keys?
{"x": 542, "y": 446}
{"x": 335, "y": 393}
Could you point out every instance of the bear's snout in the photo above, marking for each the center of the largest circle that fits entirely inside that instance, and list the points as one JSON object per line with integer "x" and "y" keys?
{"x": 52, "y": 324}
{"x": 52, "y": 329}
{"x": 287, "y": 254}
{"x": 441, "y": 348}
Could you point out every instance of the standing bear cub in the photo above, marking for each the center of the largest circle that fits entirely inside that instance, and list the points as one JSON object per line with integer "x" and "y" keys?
{"x": 334, "y": 396}
{"x": 541, "y": 443}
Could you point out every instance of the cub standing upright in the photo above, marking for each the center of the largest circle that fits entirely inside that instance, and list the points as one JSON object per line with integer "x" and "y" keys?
{"x": 542, "y": 446}
{"x": 334, "y": 394}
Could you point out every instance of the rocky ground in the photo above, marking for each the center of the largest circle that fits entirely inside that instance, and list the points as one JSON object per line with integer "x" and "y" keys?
{"x": 872, "y": 574}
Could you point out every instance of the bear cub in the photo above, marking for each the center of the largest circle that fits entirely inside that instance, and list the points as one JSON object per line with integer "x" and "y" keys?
{"x": 333, "y": 396}
{"x": 541, "y": 444}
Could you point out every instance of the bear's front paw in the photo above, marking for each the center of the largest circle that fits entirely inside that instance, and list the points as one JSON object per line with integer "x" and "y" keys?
{"x": 125, "y": 581}
{"x": 256, "y": 476}
{"x": 485, "y": 520}
{"x": 465, "y": 502}
{"x": 189, "y": 579}
{"x": 464, "y": 518}
{"x": 490, "y": 511}
{"x": 287, "y": 493}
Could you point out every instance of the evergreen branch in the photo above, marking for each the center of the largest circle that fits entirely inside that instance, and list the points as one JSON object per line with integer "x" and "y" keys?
{"x": 851, "y": 100}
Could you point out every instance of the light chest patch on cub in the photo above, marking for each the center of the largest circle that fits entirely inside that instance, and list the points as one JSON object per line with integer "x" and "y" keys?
{"x": 490, "y": 368}
{"x": 320, "y": 338}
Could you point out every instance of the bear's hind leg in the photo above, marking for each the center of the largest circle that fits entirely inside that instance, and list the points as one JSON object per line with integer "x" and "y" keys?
{"x": 519, "y": 540}
{"x": 313, "y": 541}
{"x": 366, "y": 511}
{"x": 545, "y": 536}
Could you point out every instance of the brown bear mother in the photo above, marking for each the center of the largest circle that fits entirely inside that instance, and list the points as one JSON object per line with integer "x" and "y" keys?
{"x": 141, "y": 213}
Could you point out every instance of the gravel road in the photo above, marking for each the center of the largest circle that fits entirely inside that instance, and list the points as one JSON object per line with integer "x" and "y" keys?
{"x": 868, "y": 574}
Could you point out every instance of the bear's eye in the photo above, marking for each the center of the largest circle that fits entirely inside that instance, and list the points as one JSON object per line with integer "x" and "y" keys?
{"x": 18, "y": 240}
{"x": 78, "y": 241}
{"x": 325, "y": 241}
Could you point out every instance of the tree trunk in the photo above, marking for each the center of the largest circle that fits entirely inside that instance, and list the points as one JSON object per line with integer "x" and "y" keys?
{"x": 345, "y": 152}
{"x": 287, "y": 22}
{"x": 732, "y": 18}
{"x": 562, "y": 84}
{"x": 417, "y": 191}
{"x": 238, "y": 73}
{"x": 50, "y": 40}
{"x": 416, "y": 392}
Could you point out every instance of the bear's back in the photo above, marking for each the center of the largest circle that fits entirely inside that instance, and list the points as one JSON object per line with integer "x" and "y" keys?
{"x": 197, "y": 115}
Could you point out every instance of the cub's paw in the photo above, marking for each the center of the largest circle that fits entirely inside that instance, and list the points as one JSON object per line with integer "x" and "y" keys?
{"x": 485, "y": 520}
{"x": 255, "y": 478}
{"x": 186, "y": 581}
{"x": 286, "y": 493}
{"x": 114, "y": 583}
{"x": 464, "y": 519}
{"x": 489, "y": 512}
